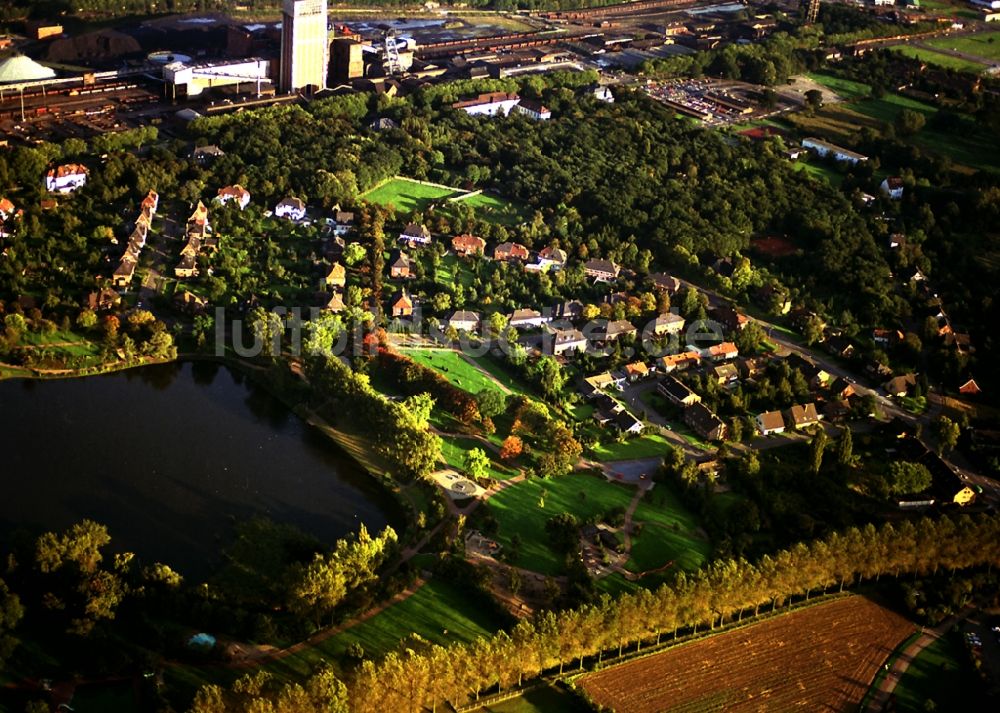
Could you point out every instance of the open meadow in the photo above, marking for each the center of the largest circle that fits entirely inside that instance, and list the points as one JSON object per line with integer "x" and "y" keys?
{"x": 822, "y": 657}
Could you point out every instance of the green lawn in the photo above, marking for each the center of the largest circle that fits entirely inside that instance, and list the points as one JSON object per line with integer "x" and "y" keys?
{"x": 647, "y": 446}
{"x": 940, "y": 59}
{"x": 888, "y": 107}
{"x": 452, "y": 271}
{"x": 454, "y": 451}
{"x": 819, "y": 171}
{"x": 439, "y": 612}
{"x": 846, "y": 88}
{"x": 983, "y": 44}
{"x": 501, "y": 374}
{"x": 941, "y": 673}
{"x": 495, "y": 209}
{"x": 453, "y": 367}
{"x": 670, "y": 533}
{"x": 524, "y": 509}
{"x": 407, "y": 195}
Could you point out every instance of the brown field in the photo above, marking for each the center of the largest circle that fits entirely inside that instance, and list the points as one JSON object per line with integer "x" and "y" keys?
{"x": 822, "y": 658}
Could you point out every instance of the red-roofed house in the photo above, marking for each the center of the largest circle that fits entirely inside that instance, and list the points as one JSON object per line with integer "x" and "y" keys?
{"x": 236, "y": 193}
{"x": 466, "y": 245}
{"x": 66, "y": 178}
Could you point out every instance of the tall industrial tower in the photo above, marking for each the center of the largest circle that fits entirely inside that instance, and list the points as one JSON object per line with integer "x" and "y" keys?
{"x": 810, "y": 11}
{"x": 304, "y": 47}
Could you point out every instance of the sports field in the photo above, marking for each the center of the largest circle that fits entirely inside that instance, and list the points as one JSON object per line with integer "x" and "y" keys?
{"x": 845, "y": 88}
{"x": 982, "y": 44}
{"x": 940, "y": 59}
{"x": 407, "y": 195}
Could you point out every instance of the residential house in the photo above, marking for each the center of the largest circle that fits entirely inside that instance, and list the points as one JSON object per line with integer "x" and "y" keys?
{"x": 770, "y": 423}
{"x": 636, "y": 370}
{"x": 236, "y": 193}
{"x": 190, "y": 303}
{"x": 122, "y": 276}
{"x": 560, "y": 341}
{"x": 594, "y": 385}
{"x": 726, "y": 374}
{"x": 892, "y": 186}
{"x": 150, "y": 203}
{"x": 66, "y": 178}
{"x": 663, "y": 281}
{"x": 337, "y": 276}
{"x": 204, "y": 154}
{"x": 414, "y": 234}
{"x": 677, "y": 392}
{"x": 465, "y": 245}
{"x": 332, "y": 302}
{"x": 678, "y": 362}
{"x": 841, "y": 388}
{"x": 705, "y": 423}
{"x": 551, "y": 259}
{"x": 803, "y": 415}
{"x": 197, "y": 223}
{"x": 627, "y": 423}
{"x": 837, "y": 410}
{"x": 103, "y": 300}
{"x": 399, "y": 267}
{"x": 839, "y": 346}
{"x": 527, "y": 319}
{"x": 601, "y": 270}
{"x": 749, "y": 367}
{"x": 606, "y": 409}
{"x": 6, "y": 209}
{"x": 613, "y": 330}
{"x": 343, "y": 222}
{"x": 383, "y": 123}
{"x": 666, "y": 323}
{"x": 533, "y": 109}
{"x": 970, "y": 388}
{"x": 728, "y": 317}
{"x": 511, "y": 251}
{"x": 900, "y": 386}
{"x": 886, "y": 338}
{"x": 491, "y": 104}
{"x": 464, "y": 321}
{"x": 824, "y": 148}
{"x": 186, "y": 268}
{"x": 568, "y": 311}
{"x": 401, "y": 305}
{"x": 291, "y": 208}
{"x": 721, "y": 352}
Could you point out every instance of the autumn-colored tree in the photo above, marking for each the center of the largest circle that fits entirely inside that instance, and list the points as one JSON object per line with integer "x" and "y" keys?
{"x": 512, "y": 447}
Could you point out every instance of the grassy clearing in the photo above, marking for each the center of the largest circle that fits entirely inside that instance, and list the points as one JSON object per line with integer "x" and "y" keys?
{"x": 648, "y": 446}
{"x": 983, "y": 44}
{"x": 439, "y": 612}
{"x": 819, "y": 171}
{"x": 498, "y": 372}
{"x": 495, "y": 209}
{"x": 453, "y": 367}
{"x": 455, "y": 449}
{"x": 670, "y": 533}
{"x": 407, "y": 195}
{"x": 939, "y": 58}
{"x": 524, "y": 508}
{"x": 845, "y": 88}
{"x": 540, "y": 700}
{"x": 941, "y": 673}
{"x": 453, "y": 271}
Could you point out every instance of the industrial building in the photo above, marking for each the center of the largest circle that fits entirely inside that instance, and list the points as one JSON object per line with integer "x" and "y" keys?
{"x": 304, "y": 47}
{"x": 192, "y": 79}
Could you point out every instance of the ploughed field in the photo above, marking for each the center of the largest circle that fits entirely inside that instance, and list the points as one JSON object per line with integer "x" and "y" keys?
{"x": 821, "y": 658}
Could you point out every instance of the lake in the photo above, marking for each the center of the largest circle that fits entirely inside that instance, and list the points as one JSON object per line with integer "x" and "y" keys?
{"x": 169, "y": 457}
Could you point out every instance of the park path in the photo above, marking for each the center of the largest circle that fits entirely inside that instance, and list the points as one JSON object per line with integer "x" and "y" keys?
{"x": 259, "y": 657}
{"x": 629, "y": 512}
{"x": 883, "y": 693}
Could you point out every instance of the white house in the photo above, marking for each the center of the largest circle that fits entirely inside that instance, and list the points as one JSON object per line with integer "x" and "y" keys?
{"x": 66, "y": 178}
{"x": 6, "y": 208}
{"x": 534, "y": 109}
{"x": 825, "y": 148}
{"x": 464, "y": 321}
{"x": 884, "y": 3}
{"x": 490, "y": 104}
{"x": 527, "y": 318}
{"x": 892, "y": 186}
{"x": 560, "y": 341}
{"x": 236, "y": 193}
{"x": 415, "y": 234}
{"x": 291, "y": 208}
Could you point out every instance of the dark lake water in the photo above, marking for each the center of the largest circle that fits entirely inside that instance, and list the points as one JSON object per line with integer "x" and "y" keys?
{"x": 169, "y": 458}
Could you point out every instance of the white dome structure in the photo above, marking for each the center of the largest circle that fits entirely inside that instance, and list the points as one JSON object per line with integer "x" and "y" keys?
{"x": 19, "y": 68}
